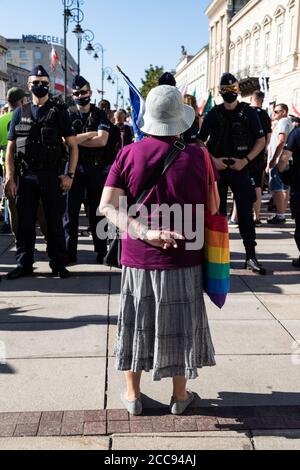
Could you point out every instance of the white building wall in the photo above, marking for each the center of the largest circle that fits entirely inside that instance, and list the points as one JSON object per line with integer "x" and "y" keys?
{"x": 263, "y": 38}
{"x": 191, "y": 75}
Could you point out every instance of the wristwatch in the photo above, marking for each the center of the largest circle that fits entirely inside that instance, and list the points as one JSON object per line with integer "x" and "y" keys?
{"x": 248, "y": 159}
{"x": 71, "y": 175}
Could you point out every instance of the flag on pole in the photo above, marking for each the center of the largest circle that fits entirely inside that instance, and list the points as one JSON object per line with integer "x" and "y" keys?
{"x": 295, "y": 110}
{"x": 137, "y": 103}
{"x": 201, "y": 107}
{"x": 59, "y": 85}
{"x": 208, "y": 105}
{"x": 54, "y": 58}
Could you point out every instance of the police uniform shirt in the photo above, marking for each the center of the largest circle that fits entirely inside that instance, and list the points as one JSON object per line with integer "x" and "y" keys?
{"x": 211, "y": 121}
{"x": 103, "y": 123}
{"x": 293, "y": 145}
{"x": 266, "y": 125}
{"x": 265, "y": 120}
{"x": 38, "y": 113}
{"x": 114, "y": 144}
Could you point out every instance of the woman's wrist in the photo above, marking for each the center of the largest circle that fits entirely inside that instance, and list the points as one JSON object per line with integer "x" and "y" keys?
{"x": 143, "y": 232}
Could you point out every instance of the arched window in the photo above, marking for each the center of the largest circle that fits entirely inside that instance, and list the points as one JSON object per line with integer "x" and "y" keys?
{"x": 291, "y": 4}
{"x": 256, "y": 29}
{"x": 267, "y": 21}
{"x": 247, "y": 35}
{"x": 279, "y": 14}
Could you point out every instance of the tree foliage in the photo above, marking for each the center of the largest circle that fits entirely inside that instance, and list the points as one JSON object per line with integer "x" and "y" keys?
{"x": 152, "y": 75}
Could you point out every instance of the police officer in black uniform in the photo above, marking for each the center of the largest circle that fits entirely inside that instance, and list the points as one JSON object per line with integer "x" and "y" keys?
{"x": 92, "y": 129}
{"x": 234, "y": 137}
{"x": 36, "y": 140}
{"x": 289, "y": 166}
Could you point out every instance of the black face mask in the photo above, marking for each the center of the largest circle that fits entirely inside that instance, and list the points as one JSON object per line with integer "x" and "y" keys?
{"x": 83, "y": 101}
{"x": 229, "y": 97}
{"x": 40, "y": 91}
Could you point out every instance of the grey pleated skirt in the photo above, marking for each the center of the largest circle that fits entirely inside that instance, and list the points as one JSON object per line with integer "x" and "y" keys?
{"x": 163, "y": 323}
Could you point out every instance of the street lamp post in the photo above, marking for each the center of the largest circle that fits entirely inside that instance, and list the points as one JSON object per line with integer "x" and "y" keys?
{"x": 99, "y": 48}
{"x": 121, "y": 94}
{"x": 70, "y": 14}
{"x": 83, "y": 35}
{"x": 115, "y": 79}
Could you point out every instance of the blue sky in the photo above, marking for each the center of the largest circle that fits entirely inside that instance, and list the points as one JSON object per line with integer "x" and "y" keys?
{"x": 134, "y": 33}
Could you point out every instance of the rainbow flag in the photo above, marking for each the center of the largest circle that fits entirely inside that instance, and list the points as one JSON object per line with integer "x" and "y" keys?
{"x": 216, "y": 268}
{"x": 216, "y": 259}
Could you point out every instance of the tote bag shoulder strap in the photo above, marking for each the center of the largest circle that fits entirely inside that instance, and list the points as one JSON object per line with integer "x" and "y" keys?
{"x": 210, "y": 176}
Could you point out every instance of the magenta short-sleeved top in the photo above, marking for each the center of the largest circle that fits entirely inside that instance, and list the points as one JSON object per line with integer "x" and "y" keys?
{"x": 184, "y": 183}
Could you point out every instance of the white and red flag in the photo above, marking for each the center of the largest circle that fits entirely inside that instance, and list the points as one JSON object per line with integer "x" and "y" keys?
{"x": 54, "y": 58}
{"x": 59, "y": 85}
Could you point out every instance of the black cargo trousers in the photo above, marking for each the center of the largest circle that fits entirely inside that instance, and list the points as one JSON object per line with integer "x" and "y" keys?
{"x": 295, "y": 208}
{"x": 244, "y": 194}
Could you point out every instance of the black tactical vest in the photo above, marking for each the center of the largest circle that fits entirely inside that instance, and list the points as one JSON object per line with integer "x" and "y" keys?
{"x": 88, "y": 156}
{"x": 39, "y": 142}
{"x": 231, "y": 137}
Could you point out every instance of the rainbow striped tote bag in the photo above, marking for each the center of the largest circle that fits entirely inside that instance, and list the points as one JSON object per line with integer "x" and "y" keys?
{"x": 216, "y": 269}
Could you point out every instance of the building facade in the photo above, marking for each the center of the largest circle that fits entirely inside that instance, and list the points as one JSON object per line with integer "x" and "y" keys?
{"x": 255, "y": 39}
{"x": 17, "y": 76}
{"x": 25, "y": 53}
{"x": 191, "y": 74}
{"x": 3, "y": 71}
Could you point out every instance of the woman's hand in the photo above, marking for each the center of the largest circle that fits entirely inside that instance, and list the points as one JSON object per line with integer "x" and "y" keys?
{"x": 163, "y": 239}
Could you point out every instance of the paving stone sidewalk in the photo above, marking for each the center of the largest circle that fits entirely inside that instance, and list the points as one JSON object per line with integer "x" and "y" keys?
{"x": 58, "y": 337}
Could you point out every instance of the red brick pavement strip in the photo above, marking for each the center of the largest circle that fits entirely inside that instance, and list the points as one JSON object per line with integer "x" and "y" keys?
{"x": 106, "y": 422}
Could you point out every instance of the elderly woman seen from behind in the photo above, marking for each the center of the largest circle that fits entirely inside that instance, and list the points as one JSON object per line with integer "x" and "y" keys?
{"x": 162, "y": 324}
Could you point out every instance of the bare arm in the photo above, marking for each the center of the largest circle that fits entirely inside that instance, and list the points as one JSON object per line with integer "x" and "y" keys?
{"x": 257, "y": 148}
{"x": 9, "y": 160}
{"x": 81, "y": 138}
{"x": 72, "y": 144}
{"x": 281, "y": 143}
{"x": 110, "y": 208}
{"x": 11, "y": 188}
{"x": 284, "y": 159}
{"x": 66, "y": 181}
{"x": 268, "y": 140}
{"x": 99, "y": 141}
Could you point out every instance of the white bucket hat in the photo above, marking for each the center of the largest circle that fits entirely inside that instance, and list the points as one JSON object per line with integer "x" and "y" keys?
{"x": 166, "y": 115}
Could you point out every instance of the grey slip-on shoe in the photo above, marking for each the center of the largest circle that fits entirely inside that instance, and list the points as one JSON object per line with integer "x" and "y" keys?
{"x": 178, "y": 407}
{"x": 135, "y": 407}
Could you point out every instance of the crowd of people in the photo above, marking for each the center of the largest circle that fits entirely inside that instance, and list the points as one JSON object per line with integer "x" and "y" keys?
{"x": 57, "y": 159}
{"x": 41, "y": 139}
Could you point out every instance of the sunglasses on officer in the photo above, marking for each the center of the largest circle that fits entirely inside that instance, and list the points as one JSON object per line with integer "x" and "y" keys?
{"x": 80, "y": 93}
{"x": 39, "y": 82}
{"x": 229, "y": 88}
{"x": 277, "y": 111}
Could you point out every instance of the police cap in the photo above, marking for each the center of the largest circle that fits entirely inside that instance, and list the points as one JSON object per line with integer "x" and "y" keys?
{"x": 38, "y": 71}
{"x": 167, "y": 79}
{"x": 227, "y": 79}
{"x": 79, "y": 82}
